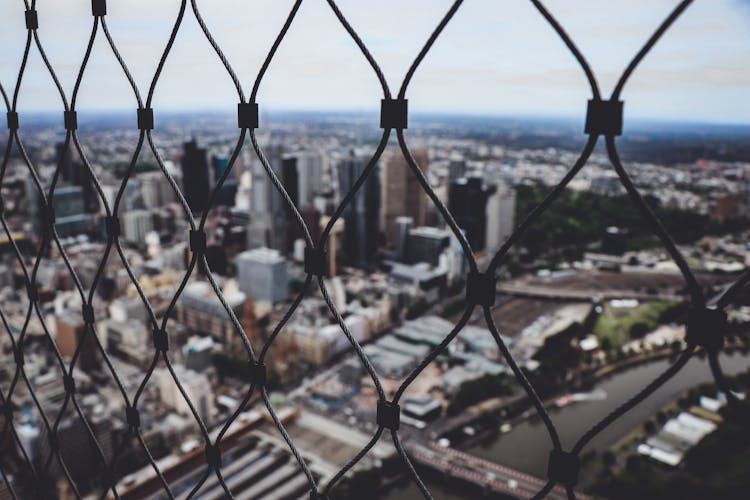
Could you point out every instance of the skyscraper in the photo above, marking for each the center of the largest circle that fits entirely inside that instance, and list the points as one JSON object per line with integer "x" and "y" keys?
{"x": 195, "y": 179}
{"x": 402, "y": 194}
{"x": 501, "y": 210}
{"x": 268, "y": 210}
{"x": 361, "y": 215}
{"x": 76, "y": 174}
{"x": 467, "y": 201}
{"x": 262, "y": 273}
{"x": 310, "y": 172}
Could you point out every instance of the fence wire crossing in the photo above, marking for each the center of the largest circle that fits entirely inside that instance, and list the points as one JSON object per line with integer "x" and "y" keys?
{"x": 706, "y": 325}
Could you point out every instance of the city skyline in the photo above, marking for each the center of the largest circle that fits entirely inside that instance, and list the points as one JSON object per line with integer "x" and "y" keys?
{"x": 502, "y": 57}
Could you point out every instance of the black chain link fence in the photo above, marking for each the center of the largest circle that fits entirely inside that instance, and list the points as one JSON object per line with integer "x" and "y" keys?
{"x": 706, "y": 327}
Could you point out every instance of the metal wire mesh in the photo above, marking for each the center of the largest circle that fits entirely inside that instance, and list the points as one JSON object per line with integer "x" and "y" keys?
{"x": 705, "y": 329}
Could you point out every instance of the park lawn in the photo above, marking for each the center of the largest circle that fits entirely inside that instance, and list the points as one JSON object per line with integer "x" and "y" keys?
{"x": 614, "y": 325}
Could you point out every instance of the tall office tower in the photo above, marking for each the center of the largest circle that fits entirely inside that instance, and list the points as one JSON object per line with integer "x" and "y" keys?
{"x": 197, "y": 387}
{"x": 70, "y": 332}
{"x": 426, "y": 243}
{"x": 262, "y": 273}
{"x": 361, "y": 216}
{"x": 501, "y": 211}
{"x": 155, "y": 189}
{"x": 456, "y": 169}
{"x": 310, "y": 172}
{"x": 333, "y": 244}
{"x": 76, "y": 174}
{"x": 311, "y": 216}
{"x": 402, "y": 194}
{"x": 467, "y": 201}
{"x": 196, "y": 185}
{"x": 290, "y": 180}
{"x": 268, "y": 211}
{"x": 219, "y": 165}
{"x": 403, "y": 226}
{"x": 136, "y": 224}
{"x": 71, "y": 218}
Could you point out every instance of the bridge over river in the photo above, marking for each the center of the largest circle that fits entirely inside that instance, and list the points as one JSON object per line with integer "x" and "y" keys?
{"x": 492, "y": 478}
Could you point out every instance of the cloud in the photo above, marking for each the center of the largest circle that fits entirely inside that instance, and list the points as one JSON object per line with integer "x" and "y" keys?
{"x": 493, "y": 57}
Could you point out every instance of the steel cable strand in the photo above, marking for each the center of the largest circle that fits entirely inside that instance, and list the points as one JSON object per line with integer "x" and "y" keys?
{"x": 358, "y": 183}
{"x": 523, "y": 380}
{"x": 297, "y": 455}
{"x": 308, "y": 238}
{"x": 191, "y": 406}
{"x": 499, "y": 258}
{"x": 352, "y": 462}
{"x": 661, "y": 233}
{"x": 444, "y": 212}
{"x": 362, "y": 47}
{"x": 18, "y": 345}
{"x": 371, "y": 164}
{"x": 137, "y": 432}
{"x": 34, "y": 308}
{"x": 6, "y": 100}
{"x": 735, "y": 405}
{"x": 9, "y": 427}
{"x": 45, "y": 422}
{"x": 217, "y": 49}
{"x": 152, "y": 462}
{"x": 693, "y": 286}
{"x": 280, "y": 188}
{"x": 405, "y": 384}
{"x": 410, "y": 467}
{"x": 724, "y": 298}
{"x": 253, "y": 139}
{"x": 71, "y": 270}
{"x": 210, "y": 278}
{"x": 274, "y": 48}
{"x": 695, "y": 290}
{"x": 248, "y": 395}
{"x": 287, "y": 316}
{"x": 3, "y": 166}
{"x": 427, "y": 46}
{"x": 570, "y": 492}
{"x": 98, "y": 273}
{"x": 433, "y": 354}
{"x": 8, "y": 485}
{"x": 500, "y": 255}
{"x": 326, "y": 233}
{"x": 8, "y": 423}
{"x": 590, "y": 77}
{"x": 357, "y": 348}
{"x": 544, "y": 491}
{"x": 121, "y": 61}
{"x": 131, "y": 275}
{"x": 200, "y": 483}
{"x": 322, "y": 242}
{"x": 673, "y": 369}
{"x": 671, "y": 18}
{"x": 397, "y": 396}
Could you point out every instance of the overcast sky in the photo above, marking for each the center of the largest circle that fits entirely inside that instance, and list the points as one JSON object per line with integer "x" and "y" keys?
{"x": 495, "y": 57}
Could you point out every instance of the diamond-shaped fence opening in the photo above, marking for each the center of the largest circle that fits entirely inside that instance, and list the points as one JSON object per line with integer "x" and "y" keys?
{"x": 68, "y": 416}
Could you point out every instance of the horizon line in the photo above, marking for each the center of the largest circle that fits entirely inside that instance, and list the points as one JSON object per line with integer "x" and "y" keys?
{"x": 421, "y": 114}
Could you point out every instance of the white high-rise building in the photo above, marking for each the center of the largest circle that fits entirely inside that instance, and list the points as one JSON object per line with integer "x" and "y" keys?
{"x": 501, "y": 211}
{"x": 136, "y": 224}
{"x": 262, "y": 273}
{"x": 197, "y": 387}
{"x": 310, "y": 176}
{"x": 155, "y": 189}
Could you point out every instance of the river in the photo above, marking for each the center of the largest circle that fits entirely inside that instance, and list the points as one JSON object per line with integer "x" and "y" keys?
{"x": 527, "y": 446}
